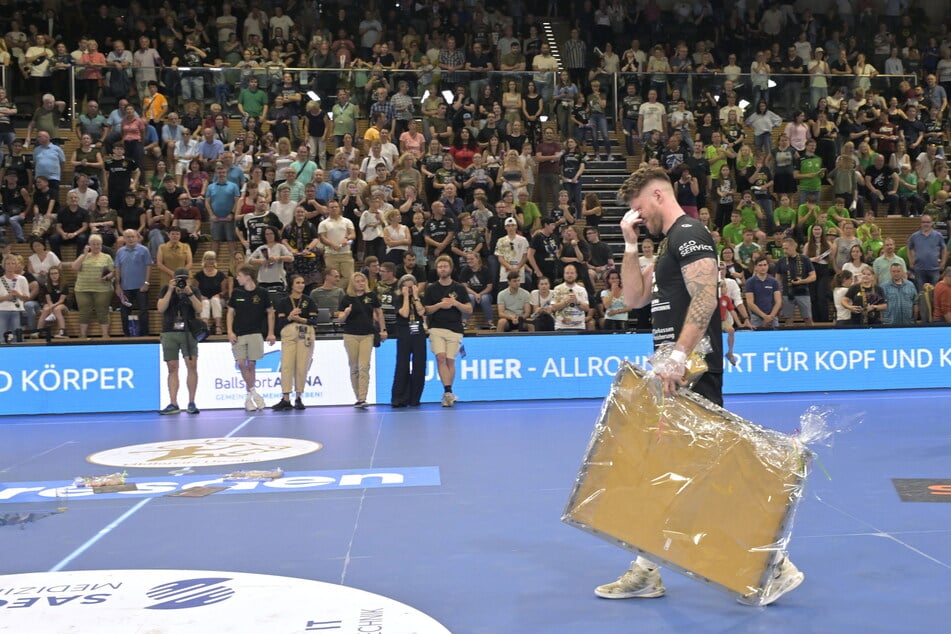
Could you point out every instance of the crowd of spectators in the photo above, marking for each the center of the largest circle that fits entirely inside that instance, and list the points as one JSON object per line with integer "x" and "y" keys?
{"x": 476, "y": 143}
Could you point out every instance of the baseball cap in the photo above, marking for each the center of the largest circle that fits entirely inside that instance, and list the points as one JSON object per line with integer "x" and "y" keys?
{"x": 511, "y": 221}
{"x": 182, "y": 272}
{"x": 467, "y": 115}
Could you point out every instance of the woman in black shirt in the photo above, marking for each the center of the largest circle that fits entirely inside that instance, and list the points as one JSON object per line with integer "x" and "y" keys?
{"x": 409, "y": 378}
{"x": 358, "y": 311}
{"x": 294, "y": 315}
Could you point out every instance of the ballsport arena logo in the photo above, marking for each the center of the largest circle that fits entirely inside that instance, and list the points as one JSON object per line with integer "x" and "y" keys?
{"x": 204, "y": 452}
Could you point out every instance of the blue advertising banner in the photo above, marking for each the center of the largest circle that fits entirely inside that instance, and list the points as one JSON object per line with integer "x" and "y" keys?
{"x": 72, "y": 379}
{"x": 536, "y": 367}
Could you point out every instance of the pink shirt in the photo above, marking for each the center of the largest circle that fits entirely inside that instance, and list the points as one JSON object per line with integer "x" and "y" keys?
{"x": 798, "y": 135}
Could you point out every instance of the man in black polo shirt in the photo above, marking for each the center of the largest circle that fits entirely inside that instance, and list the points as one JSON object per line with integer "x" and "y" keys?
{"x": 72, "y": 225}
{"x": 446, "y": 302}
{"x": 179, "y": 302}
{"x": 249, "y": 314}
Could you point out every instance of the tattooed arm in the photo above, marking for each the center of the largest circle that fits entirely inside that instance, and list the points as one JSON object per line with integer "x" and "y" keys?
{"x": 701, "y": 279}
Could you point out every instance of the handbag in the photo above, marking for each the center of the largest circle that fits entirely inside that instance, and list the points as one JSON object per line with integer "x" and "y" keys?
{"x": 198, "y": 328}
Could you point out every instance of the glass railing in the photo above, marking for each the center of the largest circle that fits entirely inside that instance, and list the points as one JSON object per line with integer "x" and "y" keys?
{"x": 502, "y": 91}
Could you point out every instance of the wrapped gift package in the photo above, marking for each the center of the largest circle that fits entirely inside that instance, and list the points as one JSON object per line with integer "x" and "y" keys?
{"x": 688, "y": 484}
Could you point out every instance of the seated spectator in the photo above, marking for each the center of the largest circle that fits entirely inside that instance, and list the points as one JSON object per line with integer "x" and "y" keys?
{"x": 212, "y": 285}
{"x": 616, "y": 311}
{"x": 570, "y": 303}
{"x": 187, "y": 217}
{"x": 942, "y": 299}
{"x": 102, "y": 223}
{"x": 478, "y": 284}
{"x": 72, "y": 227}
{"x": 53, "y": 295}
{"x": 514, "y": 306}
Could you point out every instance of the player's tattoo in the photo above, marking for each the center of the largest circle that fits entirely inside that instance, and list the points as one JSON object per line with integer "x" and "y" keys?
{"x": 701, "y": 278}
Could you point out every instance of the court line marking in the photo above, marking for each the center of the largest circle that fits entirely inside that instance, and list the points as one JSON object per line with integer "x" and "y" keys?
{"x": 347, "y": 558}
{"x": 89, "y": 543}
{"x": 877, "y": 532}
{"x": 42, "y": 453}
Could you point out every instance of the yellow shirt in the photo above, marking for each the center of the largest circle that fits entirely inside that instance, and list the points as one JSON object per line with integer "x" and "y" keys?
{"x": 154, "y": 107}
{"x": 89, "y": 279}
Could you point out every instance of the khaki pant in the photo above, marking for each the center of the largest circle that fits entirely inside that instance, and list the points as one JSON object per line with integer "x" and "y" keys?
{"x": 359, "y": 348}
{"x": 296, "y": 356}
{"x": 343, "y": 262}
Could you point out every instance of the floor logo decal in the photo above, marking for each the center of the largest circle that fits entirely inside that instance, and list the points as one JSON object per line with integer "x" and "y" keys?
{"x": 204, "y": 452}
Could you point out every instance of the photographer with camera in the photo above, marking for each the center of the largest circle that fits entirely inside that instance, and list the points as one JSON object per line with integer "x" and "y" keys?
{"x": 296, "y": 315}
{"x": 179, "y": 303}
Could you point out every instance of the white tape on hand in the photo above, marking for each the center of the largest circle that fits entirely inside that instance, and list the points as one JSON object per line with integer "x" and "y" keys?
{"x": 632, "y": 217}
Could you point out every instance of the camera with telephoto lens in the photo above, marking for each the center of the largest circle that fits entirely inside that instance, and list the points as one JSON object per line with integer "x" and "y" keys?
{"x": 181, "y": 282}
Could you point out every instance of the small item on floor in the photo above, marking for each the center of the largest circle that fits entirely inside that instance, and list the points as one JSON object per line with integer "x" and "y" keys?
{"x": 196, "y": 492}
{"x": 111, "y": 480}
{"x": 258, "y": 474}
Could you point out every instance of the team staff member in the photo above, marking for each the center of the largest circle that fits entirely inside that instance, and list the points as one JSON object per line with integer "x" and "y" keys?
{"x": 294, "y": 314}
{"x": 248, "y": 309}
{"x": 359, "y": 310}
{"x": 683, "y": 281}
{"x": 179, "y": 302}
{"x": 446, "y": 302}
{"x": 409, "y": 378}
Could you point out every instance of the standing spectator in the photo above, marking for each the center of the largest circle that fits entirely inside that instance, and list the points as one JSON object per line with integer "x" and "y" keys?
{"x": 575, "y": 57}
{"x": 221, "y": 205}
{"x": 548, "y": 156}
{"x": 119, "y": 175}
{"x": 446, "y": 310}
{"x": 48, "y": 160}
{"x": 94, "y": 275}
{"x": 763, "y": 296}
{"x": 179, "y": 303}
{"x": 249, "y": 313}
{"x": 798, "y": 276}
{"x": 359, "y": 311}
{"x": 927, "y": 254}
{"x": 294, "y": 314}
{"x": 409, "y": 377}
{"x": 172, "y": 255}
{"x": 14, "y": 293}
{"x": 337, "y": 234}
{"x": 512, "y": 251}
{"x": 344, "y": 118}
{"x": 900, "y": 297}
{"x": 133, "y": 268}
{"x": 865, "y": 300}
{"x": 252, "y": 102}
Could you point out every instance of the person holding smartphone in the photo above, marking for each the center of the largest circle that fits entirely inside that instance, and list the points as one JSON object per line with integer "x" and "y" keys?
{"x": 409, "y": 378}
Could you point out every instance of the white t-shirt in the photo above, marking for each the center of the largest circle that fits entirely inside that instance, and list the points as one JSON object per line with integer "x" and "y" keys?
{"x": 841, "y": 312}
{"x": 731, "y": 289}
{"x": 42, "y": 267}
{"x": 284, "y": 211}
{"x": 19, "y": 285}
{"x": 336, "y": 231}
{"x": 653, "y": 114}
{"x": 270, "y": 273}
{"x": 512, "y": 250}
{"x": 570, "y": 317}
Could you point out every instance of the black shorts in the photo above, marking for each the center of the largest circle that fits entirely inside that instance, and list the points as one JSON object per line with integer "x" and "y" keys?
{"x": 710, "y": 387}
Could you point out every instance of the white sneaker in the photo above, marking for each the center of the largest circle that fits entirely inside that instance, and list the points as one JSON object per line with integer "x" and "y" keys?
{"x": 257, "y": 398}
{"x": 785, "y": 578}
{"x": 638, "y": 581}
{"x": 448, "y": 399}
{"x": 249, "y": 403}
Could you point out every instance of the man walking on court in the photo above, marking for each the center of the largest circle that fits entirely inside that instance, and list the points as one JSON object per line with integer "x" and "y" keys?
{"x": 446, "y": 301}
{"x": 682, "y": 288}
{"x": 249, "y": 310}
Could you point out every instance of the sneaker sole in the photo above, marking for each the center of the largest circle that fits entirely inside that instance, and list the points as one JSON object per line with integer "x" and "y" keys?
{"x": 653, "y": 594}
{"x": 791, "y": 584}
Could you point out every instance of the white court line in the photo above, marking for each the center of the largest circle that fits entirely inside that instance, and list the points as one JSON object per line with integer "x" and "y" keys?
{"x": 42, "y": 453}
{"x": 119, "y": 520}
{"x": 363, "y": 496}
{"x": 876, "y": 532}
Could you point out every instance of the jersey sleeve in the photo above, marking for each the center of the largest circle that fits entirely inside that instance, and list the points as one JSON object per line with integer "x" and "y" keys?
{"x": 690, "y": 242}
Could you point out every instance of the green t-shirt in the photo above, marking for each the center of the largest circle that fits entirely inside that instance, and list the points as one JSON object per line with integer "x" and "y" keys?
{"x": 253, "y": 101}
{"x": 904, "y": 190}
{"x": 529, "y": 213}
{"x": 749, "y": 218}
{"x": 809, "y": 164}
{"x": 834, "y": 211}
{"x": 744, "y": 252}
{"x": 935, "y": 186}
{"x": 864, "y": 231}
{"x": 807, "y": 215}
{"x": 711, "y": 154}
{"x": 784, "y": 216}
{"x": 733, "y": 234}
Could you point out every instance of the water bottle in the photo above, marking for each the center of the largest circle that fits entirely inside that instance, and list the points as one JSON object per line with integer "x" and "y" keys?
{"x": 18, "y": 335}
{"x": 133, "y": 326}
